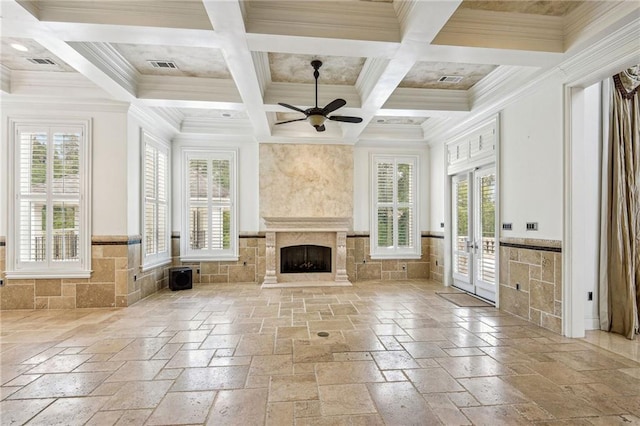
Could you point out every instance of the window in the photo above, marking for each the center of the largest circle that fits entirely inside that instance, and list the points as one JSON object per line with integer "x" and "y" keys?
{"x": 49, "y": 233}
{"x": 155, "y": 219}
{"x": 394, "y": 230}
{"x": 209, "y": 216}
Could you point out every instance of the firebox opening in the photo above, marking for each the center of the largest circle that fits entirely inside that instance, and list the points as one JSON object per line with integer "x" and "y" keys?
{"x": 304, "y": 259}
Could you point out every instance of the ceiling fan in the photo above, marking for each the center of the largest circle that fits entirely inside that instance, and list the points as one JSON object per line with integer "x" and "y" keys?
{"x": 317, "y": 116}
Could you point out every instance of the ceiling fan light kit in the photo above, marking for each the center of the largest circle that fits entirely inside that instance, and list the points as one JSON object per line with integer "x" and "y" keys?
{"x": 317, "y": 116}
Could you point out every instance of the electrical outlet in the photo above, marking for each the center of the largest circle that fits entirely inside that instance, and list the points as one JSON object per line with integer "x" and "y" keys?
{"x": 517, "y": 286}
{"x": 441, "y": 224}
{"x": 590, "y": 295}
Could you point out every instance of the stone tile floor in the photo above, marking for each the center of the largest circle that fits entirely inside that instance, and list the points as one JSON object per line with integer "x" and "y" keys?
{"x": 396, "y": 354}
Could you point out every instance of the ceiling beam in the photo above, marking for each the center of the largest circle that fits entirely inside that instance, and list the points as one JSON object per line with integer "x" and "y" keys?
{"x": 226, "y": 18}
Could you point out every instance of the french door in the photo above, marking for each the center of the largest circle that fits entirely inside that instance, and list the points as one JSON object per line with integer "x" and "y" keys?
{"x": 474, "y": 232}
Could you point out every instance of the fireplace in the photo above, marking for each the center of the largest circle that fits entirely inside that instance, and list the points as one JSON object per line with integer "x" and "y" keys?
{"x": 306, "y": 251}
{"x": 304, "y": 259}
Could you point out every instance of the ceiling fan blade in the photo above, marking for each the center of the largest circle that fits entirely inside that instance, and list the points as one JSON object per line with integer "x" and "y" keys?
{"x": 345, "y": 118}
{"x": 333, "y": 105}
{"x": 320, "y": 128}
{"x": 292, "y": 107}
{"x": 291, "y": 121}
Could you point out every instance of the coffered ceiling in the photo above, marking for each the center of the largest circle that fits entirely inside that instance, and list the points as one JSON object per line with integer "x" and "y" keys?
{"x": 223, "y": 67}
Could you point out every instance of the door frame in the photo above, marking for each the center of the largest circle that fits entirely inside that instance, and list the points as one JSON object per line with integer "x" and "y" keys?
{"x": 493, "y": 120}
{"x": 475, "y": 285}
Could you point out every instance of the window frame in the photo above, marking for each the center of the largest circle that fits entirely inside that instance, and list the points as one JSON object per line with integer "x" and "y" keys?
{"x": 395, "y": 252}
{"x": 159, "y": 258}
{"x": 194, "y": 255}
{"x": 47, "y": 269}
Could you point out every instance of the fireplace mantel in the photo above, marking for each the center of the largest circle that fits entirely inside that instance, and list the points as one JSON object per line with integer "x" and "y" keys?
{"x": 307, "y": 224}
{"x": 286, "y": 226}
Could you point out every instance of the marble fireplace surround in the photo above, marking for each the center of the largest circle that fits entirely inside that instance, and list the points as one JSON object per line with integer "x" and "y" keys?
{"x": 324, "y": 231}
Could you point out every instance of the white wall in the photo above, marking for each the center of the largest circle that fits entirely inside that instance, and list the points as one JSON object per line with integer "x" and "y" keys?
{"x": 362, "y": 190}
{"x": 437, "y": 185}
{"x": 531, "y": 152}
{"x": 248, "y": 172}
{"x": 109, "y": 157}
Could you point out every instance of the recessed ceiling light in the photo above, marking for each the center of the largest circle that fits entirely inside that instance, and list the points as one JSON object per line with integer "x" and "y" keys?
{"x": 226, "y": 114}
{"x": 19, "y": 47}
{"x": 380, "y": 120}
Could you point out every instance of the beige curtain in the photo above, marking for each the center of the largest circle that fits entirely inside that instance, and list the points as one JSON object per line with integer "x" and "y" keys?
{"x": 620, "y": 252}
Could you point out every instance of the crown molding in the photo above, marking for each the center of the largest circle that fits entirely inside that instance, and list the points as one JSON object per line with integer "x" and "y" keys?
{"x": 111, "y": 62}
{"x": 5, "y": 79}
{"x": 346, "y": 20}
{"x": 394, "y": 132}
{"x": 216, "y": 126}
{"x": 609, "y": 55}
{"x": 49, "y": 83}
{"x": 504, "y": 30}
{"x": 173, "y": 116}
{"x": 84, "y": 107}
{"x": 188, "y": 89}
{"x": 427, "y": 99}
{"x": 497, "y": 83}
{"x": 302, "y": 95}
{"x": 587, "y": 22}
{"x": 154, "y": 122}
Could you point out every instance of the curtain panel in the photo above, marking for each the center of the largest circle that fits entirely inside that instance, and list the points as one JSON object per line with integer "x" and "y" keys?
{"x": 620, "y": 254}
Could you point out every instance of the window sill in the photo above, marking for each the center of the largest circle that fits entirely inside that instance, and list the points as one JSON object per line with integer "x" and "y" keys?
{"x": 230, "y": 258}
{"x": 43, "y": 275}
{"x": 397, "y": 256}
{"x": 152, "y": 265}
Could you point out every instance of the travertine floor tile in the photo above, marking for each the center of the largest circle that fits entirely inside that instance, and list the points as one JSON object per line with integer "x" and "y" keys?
{"x": 400, "y": 403}
{"x": 239, "y": 407}
{"x": 299, "y": 387}
{"x": 179, "y": 408}
{"x": 345, "y": 399}
{"x": 69, "y": 411}
{"x": 396, "y": 354}
{"x": 330, "y": 373}
{"x": 138, "y": 395}
{"x": 211, "y": 378}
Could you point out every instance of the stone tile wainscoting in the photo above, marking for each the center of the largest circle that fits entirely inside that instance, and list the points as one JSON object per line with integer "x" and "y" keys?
{"x": 360, "y": 266}
{"x": 531, "y": 280}
{"x": 116, "y": 280}
{"x": 249, "y": 268}
{"x": 436, "y": 252}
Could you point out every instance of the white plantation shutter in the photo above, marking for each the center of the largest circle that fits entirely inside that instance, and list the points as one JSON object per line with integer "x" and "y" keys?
{"x": 487, "y": 188}
{"x": 210, "y": 200}
{"x": 395, "y": 232}
{"x": 50, "y": 222}
{"x": 156, "y": 204}
{"x": 461, "y": 227}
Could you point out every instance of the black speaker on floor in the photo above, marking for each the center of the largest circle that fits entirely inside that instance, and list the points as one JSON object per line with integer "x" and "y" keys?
{"x": 180, "y": 278}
